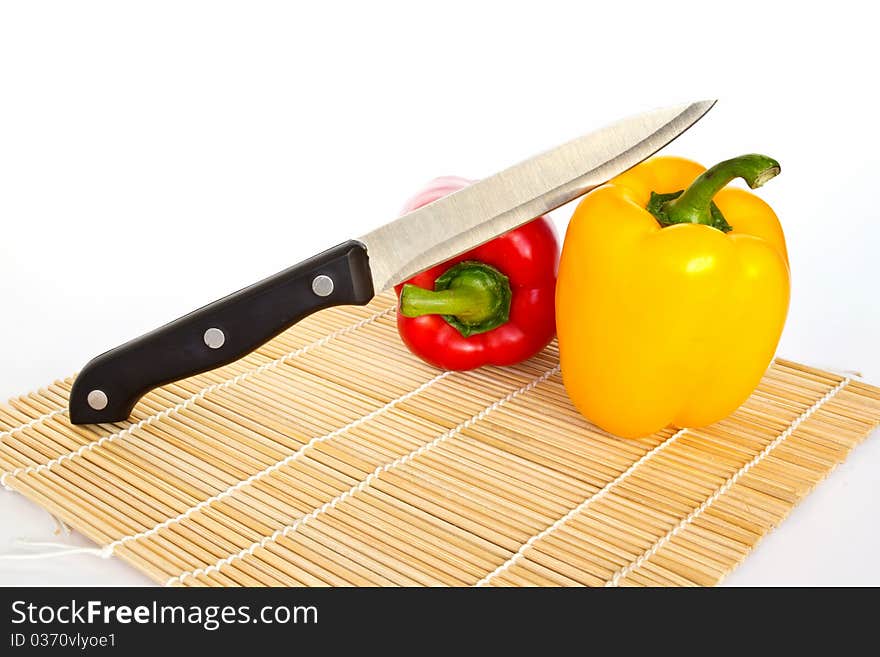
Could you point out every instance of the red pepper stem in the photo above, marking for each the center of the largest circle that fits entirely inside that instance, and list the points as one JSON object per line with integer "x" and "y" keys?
{"x": 472, "y": 296}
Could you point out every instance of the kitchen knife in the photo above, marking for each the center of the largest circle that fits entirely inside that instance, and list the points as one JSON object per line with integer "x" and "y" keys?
{"x": 110, "y": 385}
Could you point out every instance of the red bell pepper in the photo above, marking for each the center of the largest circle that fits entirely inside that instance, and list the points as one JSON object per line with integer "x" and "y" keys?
{"x": 493, "y": 305}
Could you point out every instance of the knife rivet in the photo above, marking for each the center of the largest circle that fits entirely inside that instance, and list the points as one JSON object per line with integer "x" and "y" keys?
{"x": 97, "y": 400}
{"x": 214, "y": 338}
{"x": 322, "y": 285}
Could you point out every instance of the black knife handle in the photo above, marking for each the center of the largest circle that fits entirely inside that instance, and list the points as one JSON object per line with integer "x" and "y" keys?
{"x": 109, "y": 386}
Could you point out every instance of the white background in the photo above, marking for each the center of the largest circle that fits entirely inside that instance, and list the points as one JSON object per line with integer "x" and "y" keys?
{"x": 155, "y": 156}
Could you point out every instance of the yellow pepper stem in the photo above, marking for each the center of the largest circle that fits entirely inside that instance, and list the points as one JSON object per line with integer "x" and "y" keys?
{"x": 694, "y": 205}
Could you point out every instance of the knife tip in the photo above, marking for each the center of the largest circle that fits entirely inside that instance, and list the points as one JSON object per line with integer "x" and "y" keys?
{"x": 698, "y": 109}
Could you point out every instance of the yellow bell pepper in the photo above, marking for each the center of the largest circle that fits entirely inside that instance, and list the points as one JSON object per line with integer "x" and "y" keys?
{"x": 672, "y": 294}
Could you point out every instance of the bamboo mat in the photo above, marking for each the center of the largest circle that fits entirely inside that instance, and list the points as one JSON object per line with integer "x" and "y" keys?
{"x": 332, "y": 456}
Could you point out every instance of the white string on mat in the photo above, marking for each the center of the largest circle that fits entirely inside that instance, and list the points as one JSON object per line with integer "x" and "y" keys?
{"x": 186, "y": 403}
{"x": 26, "y": 425}
{"x": 598, "y": 495}
{"x": 365, "y": 483}
{"x": 31, "y": 423}
{"x": 726, "y": 486}
{"x": 108, "y": 550}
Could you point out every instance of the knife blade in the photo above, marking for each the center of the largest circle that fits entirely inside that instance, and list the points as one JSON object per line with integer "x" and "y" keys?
{"x": 490, "y": 207}
{"x": 109, "y": 386}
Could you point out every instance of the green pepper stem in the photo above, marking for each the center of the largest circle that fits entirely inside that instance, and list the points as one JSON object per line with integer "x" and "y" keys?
{"x": 472, "y": 296}
{"x": 694, "y": 206}
{"x": 464, "y": 303}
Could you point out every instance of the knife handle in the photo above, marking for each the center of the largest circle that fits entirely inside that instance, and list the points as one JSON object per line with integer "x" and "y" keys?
{"x": 109, "y": 386}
